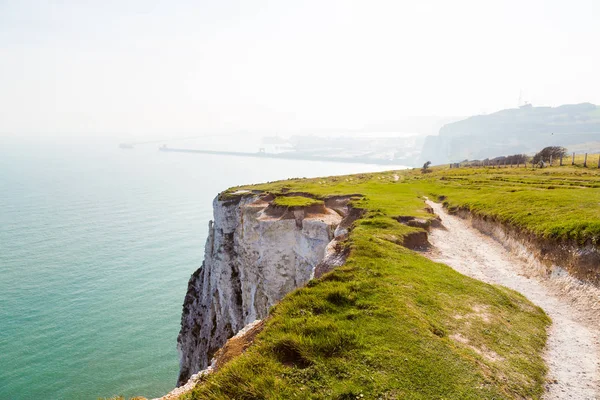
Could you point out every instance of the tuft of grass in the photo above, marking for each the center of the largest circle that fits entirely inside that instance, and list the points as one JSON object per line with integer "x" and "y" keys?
{"x": 296, "y": 201}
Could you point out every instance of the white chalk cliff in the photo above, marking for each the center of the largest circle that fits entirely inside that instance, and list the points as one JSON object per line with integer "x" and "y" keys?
{"x": 255, "y": 254}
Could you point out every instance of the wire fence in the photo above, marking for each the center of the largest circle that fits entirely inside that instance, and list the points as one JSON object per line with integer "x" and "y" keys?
{"x": 588, "y": 160}
{"x": 578, "y": 159}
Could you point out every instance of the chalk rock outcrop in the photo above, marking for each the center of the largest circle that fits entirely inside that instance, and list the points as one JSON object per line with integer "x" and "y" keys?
{"x": 255, "y": 254}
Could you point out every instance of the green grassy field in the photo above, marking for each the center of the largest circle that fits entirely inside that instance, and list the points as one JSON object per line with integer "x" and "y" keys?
{"x": 557, "y": 202}
{"x": 391, "y": 324}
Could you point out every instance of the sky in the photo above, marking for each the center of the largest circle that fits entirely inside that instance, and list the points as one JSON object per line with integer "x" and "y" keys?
{"x": 147, "y": 68}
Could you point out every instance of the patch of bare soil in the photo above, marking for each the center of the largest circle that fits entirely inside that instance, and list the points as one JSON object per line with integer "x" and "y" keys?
{"x": 573, "y": 349}
{"x": 237, "y": 345}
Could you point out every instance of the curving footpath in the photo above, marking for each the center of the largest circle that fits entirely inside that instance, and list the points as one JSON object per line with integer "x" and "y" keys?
{"x": 573, "y": 349}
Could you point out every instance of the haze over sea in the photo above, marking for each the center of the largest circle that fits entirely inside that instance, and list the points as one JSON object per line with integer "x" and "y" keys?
{"x": 96, "y": 248}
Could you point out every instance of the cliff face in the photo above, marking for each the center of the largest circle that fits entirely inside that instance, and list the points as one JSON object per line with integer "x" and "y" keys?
{"x": 513, "y": 131}
{"x": 255, "y": 254}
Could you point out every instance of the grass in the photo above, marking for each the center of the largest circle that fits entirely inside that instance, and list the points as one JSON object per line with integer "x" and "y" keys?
{"x": 296, "y": 201}
{"x": 561, "y": 203}
{"x": 391, "y": 324}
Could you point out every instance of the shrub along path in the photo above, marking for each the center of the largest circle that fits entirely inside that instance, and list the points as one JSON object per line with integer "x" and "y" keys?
{"x": 573, "y": 349}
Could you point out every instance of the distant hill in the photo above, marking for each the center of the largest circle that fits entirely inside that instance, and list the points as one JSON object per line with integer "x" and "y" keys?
{"x": 520, "y": 130}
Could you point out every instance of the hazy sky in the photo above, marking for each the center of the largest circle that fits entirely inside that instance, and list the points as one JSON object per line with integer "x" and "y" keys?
{"x": 148, "y": 67}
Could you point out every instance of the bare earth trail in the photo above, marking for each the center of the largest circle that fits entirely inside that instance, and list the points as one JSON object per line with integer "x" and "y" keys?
{"x": 573, "y": 349}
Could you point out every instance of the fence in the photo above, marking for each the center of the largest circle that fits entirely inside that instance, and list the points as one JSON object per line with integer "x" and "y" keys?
{"x": 578, "y": 159}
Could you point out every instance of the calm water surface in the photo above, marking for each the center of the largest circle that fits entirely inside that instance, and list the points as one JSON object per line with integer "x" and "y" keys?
{"x": 96, "y": 247}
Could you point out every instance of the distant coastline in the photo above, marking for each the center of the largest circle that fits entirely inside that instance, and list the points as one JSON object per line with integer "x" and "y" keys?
{"x": 287, "y": 156}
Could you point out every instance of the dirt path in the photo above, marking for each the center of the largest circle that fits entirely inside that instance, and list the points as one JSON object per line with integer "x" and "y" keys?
{"x": 573, "y": 352}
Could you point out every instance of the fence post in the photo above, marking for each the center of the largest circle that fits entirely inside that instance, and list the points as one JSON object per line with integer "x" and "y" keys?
{"x": 585, "y": 160}
{"x": 573, "y": 159}
{"x": 561, "y": 160}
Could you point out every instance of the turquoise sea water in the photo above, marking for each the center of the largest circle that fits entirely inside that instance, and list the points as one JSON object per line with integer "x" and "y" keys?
{"x": 96, "y": 247}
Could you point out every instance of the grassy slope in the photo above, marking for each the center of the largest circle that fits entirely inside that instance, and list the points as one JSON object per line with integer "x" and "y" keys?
{"x": 562, "y": 203}
{"x": 386, "y": 324}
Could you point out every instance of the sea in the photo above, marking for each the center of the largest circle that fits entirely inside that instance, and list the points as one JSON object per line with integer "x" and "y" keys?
{"x": 97, "y": 244}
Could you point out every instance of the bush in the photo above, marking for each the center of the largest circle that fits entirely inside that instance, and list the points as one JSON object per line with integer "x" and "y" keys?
{"x": 425, "y": 168}
{"x": 554, "y": 152}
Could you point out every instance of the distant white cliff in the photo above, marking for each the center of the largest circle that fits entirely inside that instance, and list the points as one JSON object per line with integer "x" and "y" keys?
{"x": 255, "y": 254}
{"x": 526, "y": 130}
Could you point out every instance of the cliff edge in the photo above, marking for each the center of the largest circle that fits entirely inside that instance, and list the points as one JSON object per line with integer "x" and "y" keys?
{"x": 387, "y": 322}
{"x": 257, "y": 251}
